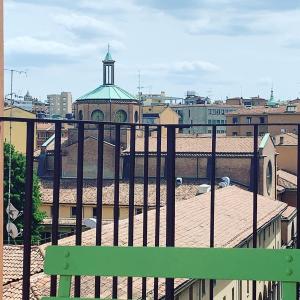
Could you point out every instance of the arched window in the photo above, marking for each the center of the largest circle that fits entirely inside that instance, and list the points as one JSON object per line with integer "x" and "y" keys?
{"x": 269, "y": 177}
{"x": 121, "y": 116}
{"x": 97, "y": 115}
{"x": 136, "y": 117}
{"x": 80, "y": 115}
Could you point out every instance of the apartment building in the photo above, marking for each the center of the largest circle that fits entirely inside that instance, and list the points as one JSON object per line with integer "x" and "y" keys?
{"x": 264, "y": 116}
{"x": 203, "y": 114}
{"x": 60, "y": 104}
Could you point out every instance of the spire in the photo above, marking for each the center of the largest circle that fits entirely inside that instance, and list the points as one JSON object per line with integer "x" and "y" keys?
{"x": 108, "y": 68}
{"x": 108, "y": 55}
{"x": 272, "y": 101}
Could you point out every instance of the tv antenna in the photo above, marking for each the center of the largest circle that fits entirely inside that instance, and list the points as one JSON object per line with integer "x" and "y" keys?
{"x": 11, "y": 228}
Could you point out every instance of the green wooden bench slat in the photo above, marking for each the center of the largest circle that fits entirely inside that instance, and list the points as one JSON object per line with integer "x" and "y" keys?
{"x": 64, "y": 286}
{"x": 289, "y": 290}
{"x": 229, "y": 264}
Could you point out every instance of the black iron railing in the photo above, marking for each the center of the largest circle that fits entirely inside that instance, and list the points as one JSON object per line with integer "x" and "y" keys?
{"x": 170, "y": 195}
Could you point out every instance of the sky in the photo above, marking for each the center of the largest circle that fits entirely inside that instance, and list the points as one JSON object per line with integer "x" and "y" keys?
{"x": 218, "y": 48}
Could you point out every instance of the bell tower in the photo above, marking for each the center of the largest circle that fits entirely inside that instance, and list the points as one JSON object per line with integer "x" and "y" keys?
{"x": 108, "y": 69}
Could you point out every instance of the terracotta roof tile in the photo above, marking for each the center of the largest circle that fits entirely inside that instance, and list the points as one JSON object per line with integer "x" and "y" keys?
{"x": 289, "y": 139}
{"x": 261, "y": 110}
{"x": 287, "y": 180}
{"x": 68, "y": 191}
{"x": 13, "y": 262}
{"x": 289, "y": 212}
{"x": 192, "y": 143}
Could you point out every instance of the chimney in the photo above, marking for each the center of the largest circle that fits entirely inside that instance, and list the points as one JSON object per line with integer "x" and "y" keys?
{"x": 281, "y": 140}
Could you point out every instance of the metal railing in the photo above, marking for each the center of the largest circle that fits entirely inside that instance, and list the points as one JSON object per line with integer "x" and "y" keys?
{"x": 170, "y": 194}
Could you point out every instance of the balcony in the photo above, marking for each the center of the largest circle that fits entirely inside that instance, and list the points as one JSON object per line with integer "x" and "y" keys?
{"x": 154, "y": 201}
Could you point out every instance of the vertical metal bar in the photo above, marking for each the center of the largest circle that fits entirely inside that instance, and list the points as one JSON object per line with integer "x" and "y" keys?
{"x": 131, "y": 200}
{"x": 56, "y": 188}
{"x": 170, "y": 214}
{"x": 79, "y": 197}
{"x": 298, "y": 201}
{"x": 157, "y": 212}
{"x": 28, "y": 210}
{"x": 145, "y": 206}
{"x": 116, "y": 203}
{"x": 99, "y": 200}
{"x": 255, "y": 191}
{"x": 212, "y": 200}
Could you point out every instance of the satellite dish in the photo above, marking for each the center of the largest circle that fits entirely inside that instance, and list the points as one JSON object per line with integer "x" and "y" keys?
{"x": 12, "y": 230}
{"x": 12, "y": 212}
{"x": 90, "y": 223}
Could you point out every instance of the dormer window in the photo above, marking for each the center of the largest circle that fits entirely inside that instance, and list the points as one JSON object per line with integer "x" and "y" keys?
{"x": 291, "y": 108}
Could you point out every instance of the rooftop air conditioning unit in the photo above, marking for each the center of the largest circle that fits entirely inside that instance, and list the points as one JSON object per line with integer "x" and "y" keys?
{"x": 225, "y": 181}
{"x": 203, "y": 188}
{"x": 179, "y": 181}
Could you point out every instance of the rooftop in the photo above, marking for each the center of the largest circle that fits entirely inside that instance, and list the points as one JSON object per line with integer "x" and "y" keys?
{"x": 286, "y": 179}
{"x": 13, "y": 262}
{"x": 108, "y": 92}
{"x": 262, "y": 110}
{"x": 192, "y": 230}
{"x": 200, "y": 144}
{"x": 68, "y": 191}
{"x": 286, "y": 139}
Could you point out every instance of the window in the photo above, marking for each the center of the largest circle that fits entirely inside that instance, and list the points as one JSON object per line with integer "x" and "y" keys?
{"x": 136, "y": 117}
{"x": 121, "y": 116}
{"x": 248, "y": 290}
{"x": 97, "y": 115}
{"x": 73, "y": 211}
{"x": 262, "y": 120}
{"x": 235, "y": 120}
{"x": 269, "y": 178}
{"x": 138, "y": 211}
{"x": 209, "y": 121}
{"x": 94, "y": 212}
{"x": 235, "y": 133}
{"x": 232, "y": 292}
{"x": 80, "y": 115}
{"x": 249, "y": 120}
{"x": 218, "y": 121}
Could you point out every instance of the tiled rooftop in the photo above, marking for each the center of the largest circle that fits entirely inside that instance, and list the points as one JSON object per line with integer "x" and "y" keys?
{"x": 289, "y": 139}
{"x": 261, "y": 110}
{"x": 68, "y": 191}
{"x": 289, "y": 212}
{"x": 192, "y": 144}
{"x": 13, "y": 262}
{"x": 287, "y": 180}
{"x": 233, "y": 224}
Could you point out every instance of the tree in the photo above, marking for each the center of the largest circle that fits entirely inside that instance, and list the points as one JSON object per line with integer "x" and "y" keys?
{"x": 17, "y": 198}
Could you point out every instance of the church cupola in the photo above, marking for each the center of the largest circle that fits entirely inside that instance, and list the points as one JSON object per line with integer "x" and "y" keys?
{"x": 108, "y": 69}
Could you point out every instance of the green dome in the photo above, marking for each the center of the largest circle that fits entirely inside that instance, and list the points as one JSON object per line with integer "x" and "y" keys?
{"x": 108, "y": 92}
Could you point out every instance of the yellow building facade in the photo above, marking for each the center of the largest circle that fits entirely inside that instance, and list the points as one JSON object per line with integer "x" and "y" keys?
{"x": 17, "y": 129}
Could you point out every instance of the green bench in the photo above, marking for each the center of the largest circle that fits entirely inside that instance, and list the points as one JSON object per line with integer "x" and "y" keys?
{"x": 193, "y": 263}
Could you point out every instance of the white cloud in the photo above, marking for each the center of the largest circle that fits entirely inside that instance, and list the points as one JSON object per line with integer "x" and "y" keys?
{"x": 114, "y": 6}
{"x": 182, "y": 67}
{"x": 84, "y": 26}
{"x": 32, "y": 45}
